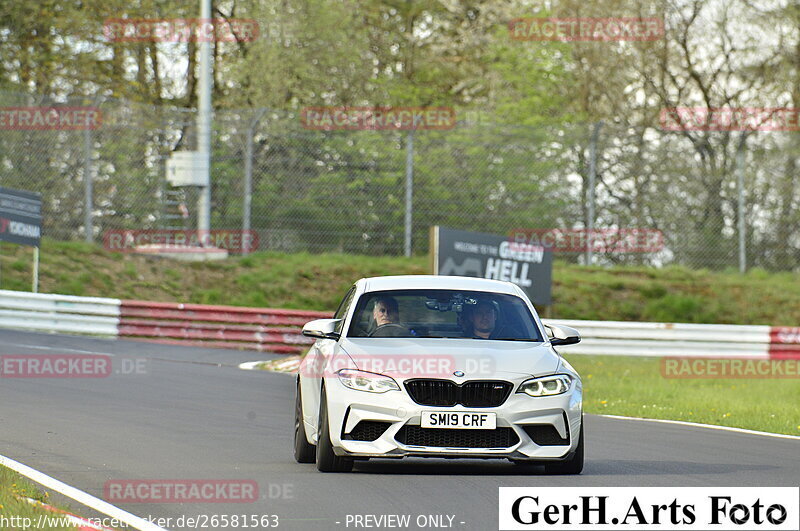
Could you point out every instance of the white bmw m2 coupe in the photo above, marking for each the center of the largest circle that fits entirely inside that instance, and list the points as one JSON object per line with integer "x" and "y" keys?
{"x": 437, "y": 366}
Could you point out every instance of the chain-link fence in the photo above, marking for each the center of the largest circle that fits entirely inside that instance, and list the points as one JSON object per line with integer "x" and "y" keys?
{"x": 378, "y": 192}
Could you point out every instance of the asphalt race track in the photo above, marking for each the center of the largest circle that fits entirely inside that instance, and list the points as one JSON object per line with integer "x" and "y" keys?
{"x": 192, "y": 414}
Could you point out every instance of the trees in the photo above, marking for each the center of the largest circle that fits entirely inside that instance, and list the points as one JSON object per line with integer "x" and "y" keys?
{"x": 526, "y": 110}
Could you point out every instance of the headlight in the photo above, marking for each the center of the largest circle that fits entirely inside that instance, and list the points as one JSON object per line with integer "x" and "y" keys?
{"x": 367, "y": 381}
{"x": 547, "y": 385}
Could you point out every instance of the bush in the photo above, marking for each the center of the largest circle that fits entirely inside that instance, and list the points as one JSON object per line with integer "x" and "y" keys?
{"x": 678, "y": 309}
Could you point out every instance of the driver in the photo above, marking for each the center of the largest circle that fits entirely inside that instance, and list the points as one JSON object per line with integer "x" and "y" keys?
{"x": 481, "y": 320}
{"x": 386, "y": 316}
{"x": 385, "y": 311}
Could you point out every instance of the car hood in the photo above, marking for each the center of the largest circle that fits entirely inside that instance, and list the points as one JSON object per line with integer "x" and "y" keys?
{"x": 440, "y": 357}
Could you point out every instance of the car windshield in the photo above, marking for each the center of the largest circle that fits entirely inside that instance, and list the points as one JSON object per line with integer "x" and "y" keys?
{"x": 443, "y": 314}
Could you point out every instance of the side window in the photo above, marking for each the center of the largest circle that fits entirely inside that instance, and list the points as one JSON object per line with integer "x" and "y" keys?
{"x": 341, "y": 312}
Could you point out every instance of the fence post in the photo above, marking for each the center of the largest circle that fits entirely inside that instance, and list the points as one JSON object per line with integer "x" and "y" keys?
{"x": 248, "y": 180}
{"x": 205, "y": 118}
{"x": 409, "y": 189}
{"x": 88, "y": 193}
{"x": 741, "y": 203}
{"x": 88, "y": 184}
{"x": 590, "y": 199}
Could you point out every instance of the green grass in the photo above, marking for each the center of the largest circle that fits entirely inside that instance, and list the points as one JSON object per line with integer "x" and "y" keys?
{"x": 318, "y": 281}
{"x": 13, "y": 487}
{"x": 634, "y": 387}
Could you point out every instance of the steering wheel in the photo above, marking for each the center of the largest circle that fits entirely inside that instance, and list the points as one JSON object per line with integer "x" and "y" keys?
{"x": 389, "y": 330}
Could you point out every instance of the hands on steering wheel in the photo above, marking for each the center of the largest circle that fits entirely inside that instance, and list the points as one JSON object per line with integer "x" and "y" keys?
{"x": 389, "y": 330}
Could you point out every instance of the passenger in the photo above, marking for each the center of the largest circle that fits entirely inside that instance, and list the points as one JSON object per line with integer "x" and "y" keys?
{"x": 480, "y": 321}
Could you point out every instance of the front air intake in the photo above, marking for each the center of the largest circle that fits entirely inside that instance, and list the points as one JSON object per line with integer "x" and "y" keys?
{"x": 457, "y": 438}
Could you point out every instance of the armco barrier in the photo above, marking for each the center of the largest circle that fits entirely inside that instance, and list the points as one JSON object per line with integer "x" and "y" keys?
{"x": 668, "y": 339}
{"x": 275, "y": 330}
{"x": 263, "y": 329}
{"x": 59, "y": 313}
{"x": 784, "y": 343}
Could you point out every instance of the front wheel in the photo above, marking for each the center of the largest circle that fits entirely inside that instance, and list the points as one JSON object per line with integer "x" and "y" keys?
{"x": 304, "y": 452}
{"x": 327, "y": 461}
{"x": 573, "y": 465}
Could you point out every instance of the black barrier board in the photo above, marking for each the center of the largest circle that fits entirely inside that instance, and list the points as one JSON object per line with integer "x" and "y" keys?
{"x": 477, "y": 254}
{"x": 20, "y": 217}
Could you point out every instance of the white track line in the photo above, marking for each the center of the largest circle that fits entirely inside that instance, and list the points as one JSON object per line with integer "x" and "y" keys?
{"x": 60, "y": 349}
{"x": 709, "y": 426}
{"x": 81, "y": 497}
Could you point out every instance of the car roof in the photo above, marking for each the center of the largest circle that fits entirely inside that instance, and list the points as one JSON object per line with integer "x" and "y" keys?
{"x": 437, "y": 282}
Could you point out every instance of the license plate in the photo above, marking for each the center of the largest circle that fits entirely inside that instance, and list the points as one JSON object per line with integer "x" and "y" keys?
{"x": 470, "y": 420}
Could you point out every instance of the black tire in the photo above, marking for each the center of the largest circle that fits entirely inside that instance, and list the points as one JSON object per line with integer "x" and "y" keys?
{"x": 327, "y": 461}
{"x": 304, "y": 452}
{"x": 574, "y": 465}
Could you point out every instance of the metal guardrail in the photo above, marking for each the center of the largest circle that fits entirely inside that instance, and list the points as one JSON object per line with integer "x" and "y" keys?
{"x": 278, "y": 330}
{"x": 59, "y": 313}
{"x": 262, "y": 329}
{"x": 669, "y": 339}
{"x": 784, "y": 343}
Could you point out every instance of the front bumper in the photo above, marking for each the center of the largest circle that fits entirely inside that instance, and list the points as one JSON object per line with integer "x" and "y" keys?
{"x": 347, "y": 407}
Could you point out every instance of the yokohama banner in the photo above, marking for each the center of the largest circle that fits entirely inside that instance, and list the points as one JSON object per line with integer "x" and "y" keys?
{"x": 20, "y": 217}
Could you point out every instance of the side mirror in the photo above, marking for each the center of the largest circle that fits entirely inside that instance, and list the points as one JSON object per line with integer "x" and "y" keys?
{"x": 322, "y": 329}
{"x": 562, "y": 335}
